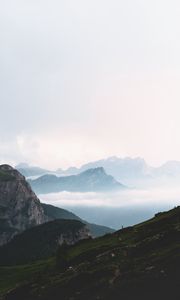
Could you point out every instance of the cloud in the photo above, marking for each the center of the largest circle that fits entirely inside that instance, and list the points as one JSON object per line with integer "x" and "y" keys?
{"x": 97, "y": 78}
{"x": 114, "y": 210}
{"x": 158, "y": 197}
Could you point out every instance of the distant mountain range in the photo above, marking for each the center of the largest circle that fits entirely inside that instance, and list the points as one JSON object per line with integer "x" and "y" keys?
{"x": 20, "y": 209}
{"x": 91, "y": 180}
{"x": 129, "y": 171}
{"x": 48, "y": 253}
{"x": 29, "y": 171}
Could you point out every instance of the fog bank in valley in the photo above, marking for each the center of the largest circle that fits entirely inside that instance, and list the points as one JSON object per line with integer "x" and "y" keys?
{"x": 116, "y": 209}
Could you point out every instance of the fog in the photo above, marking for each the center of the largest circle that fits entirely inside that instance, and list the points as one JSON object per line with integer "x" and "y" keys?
{"x": 116, "y": 209}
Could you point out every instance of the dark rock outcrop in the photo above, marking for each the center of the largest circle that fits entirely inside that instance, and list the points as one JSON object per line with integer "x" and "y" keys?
{"x": 20, "y": 208}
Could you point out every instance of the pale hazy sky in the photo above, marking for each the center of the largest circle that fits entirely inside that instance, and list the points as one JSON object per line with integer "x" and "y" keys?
{"x": 82, "y": 80}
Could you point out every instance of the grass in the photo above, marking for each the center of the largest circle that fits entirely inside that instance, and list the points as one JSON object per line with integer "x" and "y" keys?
{"x": 145, "y": 255}
{"x": 11, "y": 277}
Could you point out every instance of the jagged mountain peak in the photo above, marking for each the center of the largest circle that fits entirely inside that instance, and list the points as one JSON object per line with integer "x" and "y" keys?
{"x": 91, "y": 180}
{"x": 94, "y": 171}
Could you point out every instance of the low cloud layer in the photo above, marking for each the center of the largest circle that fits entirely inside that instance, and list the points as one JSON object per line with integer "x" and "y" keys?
{"x": 118, "y": 209}
{"x": 154, "y": 197}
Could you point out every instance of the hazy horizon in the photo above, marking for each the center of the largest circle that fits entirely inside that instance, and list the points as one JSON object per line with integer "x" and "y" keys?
{"x": 85, "y": 80}
{"x": 91, "y": 161}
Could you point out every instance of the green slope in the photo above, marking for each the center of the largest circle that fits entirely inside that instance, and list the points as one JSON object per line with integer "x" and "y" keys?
{"x": 41, "y": 241}
{"x": 140, "y": 262}
{"x": 53, "y": 213}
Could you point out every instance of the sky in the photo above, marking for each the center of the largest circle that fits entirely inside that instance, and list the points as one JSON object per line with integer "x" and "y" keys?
{"x": 83, "y": 80}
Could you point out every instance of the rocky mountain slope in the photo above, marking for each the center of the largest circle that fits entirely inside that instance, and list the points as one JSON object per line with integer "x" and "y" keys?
{"x": 92, "y": 180}
{"x": 20, "y": 208}
{"x": 139, "y": 262}
{"x": 42, "y": 241}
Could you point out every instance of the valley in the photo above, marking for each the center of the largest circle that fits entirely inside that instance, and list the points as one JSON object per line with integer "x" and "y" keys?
{"x": 60, "y": 255}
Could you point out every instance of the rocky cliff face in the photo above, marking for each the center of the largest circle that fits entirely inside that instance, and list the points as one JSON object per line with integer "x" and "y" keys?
{"x": 20, "y": 208}
{"x": 71, "y": 238}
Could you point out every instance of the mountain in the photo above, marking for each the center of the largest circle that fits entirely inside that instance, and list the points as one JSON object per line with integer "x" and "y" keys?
{"x": 120, "y": 168}
{"x": 54, "y": 213}
{"x": 138, "y": 262}
{"x": 91, "y": 180}
{"x": 132, "y": 172}
{"x": 170, "y": 170}
{"x": 69, "y": 171}
{"x": 135, "y": 171}
{"x": 42, "y": 241}
{"x": 20, "y": 208}
{"x": 30, "y": 171}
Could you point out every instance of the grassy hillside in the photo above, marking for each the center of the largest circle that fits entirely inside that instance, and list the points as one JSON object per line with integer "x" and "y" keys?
{"x": 53, "y": 213}
{"x": 14, "y": 276}
{"x": 140, "y": 262}
{"x": 40, "y": 241}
